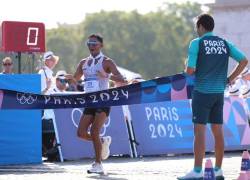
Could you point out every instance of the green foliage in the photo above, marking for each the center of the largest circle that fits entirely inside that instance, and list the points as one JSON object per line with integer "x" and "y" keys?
{"x": 152, "y": 44}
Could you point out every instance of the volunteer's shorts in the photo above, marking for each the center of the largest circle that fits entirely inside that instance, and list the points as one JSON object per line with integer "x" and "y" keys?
{"x": 207, "y": 107}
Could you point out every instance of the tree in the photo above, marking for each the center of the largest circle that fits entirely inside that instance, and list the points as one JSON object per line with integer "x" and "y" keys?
{"x": 153, "y": 44}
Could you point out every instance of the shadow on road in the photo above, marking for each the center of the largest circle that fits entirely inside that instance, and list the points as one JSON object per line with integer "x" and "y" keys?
{"x": 31, "y": 169}
{"x": 107, "y": 176}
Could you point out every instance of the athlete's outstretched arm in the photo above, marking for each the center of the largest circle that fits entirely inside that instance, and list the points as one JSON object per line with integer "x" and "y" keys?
{"x": 115, "y": 74}
{"x": 78, "y": 74}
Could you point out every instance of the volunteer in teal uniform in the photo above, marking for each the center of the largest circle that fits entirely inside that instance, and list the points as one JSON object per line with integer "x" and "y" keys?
{"x": 208, "y": 58}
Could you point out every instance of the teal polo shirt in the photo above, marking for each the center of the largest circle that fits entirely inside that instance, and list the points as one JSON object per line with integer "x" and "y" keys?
{"x": 209, "y": 55}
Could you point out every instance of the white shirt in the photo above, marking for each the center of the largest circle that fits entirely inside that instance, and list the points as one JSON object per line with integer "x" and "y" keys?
{"x": 49, "y": 113}
{"x": 95, "y": 82}
{"x": 46, "y": 73}
{"x": 56, "y": 90}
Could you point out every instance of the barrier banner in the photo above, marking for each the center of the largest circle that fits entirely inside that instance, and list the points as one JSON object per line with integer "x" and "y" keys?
{"x": 166, "y": 127}
{"x": 237, "y": 128}
{"x": 73, "y": 147}
{"x": 169, "y": 88}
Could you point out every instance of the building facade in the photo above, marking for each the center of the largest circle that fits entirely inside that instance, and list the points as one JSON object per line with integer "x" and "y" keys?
{"x": 232, "y": 21}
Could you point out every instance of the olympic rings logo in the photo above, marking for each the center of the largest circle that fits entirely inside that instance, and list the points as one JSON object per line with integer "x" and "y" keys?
{"x": 105, "y": 126}
{"x": 26, "y": 98}
{"x": 76, "y": 115}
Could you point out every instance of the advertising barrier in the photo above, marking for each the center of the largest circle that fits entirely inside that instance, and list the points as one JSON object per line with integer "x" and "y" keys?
{"x": 67, "y": 121}
{"x": 144, "y": 129}
{"x": 163, "y": 127}
{"x": 166, "y": 127}
{"x": 20, "y": 130}
{"x": 236, "y": 112}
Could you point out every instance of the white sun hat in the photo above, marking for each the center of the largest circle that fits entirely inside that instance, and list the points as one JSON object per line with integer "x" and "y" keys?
{"x": 61, "y": 74}
{"x": 49, "y": 55}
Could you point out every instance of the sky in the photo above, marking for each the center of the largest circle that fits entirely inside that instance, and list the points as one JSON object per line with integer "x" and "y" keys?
{"x": 52, "y": 12}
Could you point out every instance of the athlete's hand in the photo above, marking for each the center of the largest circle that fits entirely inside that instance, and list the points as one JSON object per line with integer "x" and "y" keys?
{"x": 119, "y": 84}
{"x": 70, "y": 78}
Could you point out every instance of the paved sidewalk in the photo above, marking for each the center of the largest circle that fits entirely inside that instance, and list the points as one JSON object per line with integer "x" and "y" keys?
{"x": 151, "y": 168}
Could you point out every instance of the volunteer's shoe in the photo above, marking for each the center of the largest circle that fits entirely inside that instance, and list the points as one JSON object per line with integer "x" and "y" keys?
{"x": 192, "y": 175}
{"x": 96, "y": 168}
{"x": 106, "y": 141}
{"x": 219, "y": 175}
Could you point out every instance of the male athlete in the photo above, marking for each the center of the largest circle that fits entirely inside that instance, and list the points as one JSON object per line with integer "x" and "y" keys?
{"x": 97, "y": 70}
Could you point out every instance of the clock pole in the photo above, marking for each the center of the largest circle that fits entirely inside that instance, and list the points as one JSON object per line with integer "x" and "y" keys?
{"x": 19, "y": 62}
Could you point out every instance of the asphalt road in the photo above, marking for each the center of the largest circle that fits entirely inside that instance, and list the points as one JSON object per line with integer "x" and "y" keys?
{"x": 118, "y": 168}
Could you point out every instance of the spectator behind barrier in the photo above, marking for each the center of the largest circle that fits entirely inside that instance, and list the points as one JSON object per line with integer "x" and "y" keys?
{"x": 241, "y": 87}
{"x": 48, "y": 135}
{"x": 245, "y": 89}
{"x": 64, "y": 85}
{"x": 49, "y": 139}
{"x": 50, "y": 145}
{"x": 50, "y": 61}
{"x": 7, "y": 65}
{"x": 61, "y": 82}
{"x": 234, "y": 89}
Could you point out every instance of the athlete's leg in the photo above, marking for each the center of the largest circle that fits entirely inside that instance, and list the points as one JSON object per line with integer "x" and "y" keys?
{"x": 99, "y": 120}
{"x": 82, "y": 131}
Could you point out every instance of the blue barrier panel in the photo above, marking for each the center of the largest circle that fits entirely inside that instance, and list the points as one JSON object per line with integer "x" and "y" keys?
{"x": 167, "y": 127}
{"x": 20, "y": 130}
{"x": 164, "y": 127}
{"x": 67, "y": 121}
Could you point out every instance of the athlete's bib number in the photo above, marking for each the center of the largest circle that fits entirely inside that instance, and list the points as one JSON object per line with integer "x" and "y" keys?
{"x": 91, "y": 86}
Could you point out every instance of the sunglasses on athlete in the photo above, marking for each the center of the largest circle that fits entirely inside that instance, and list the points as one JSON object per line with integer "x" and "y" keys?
{"x": 92, "y": 43}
